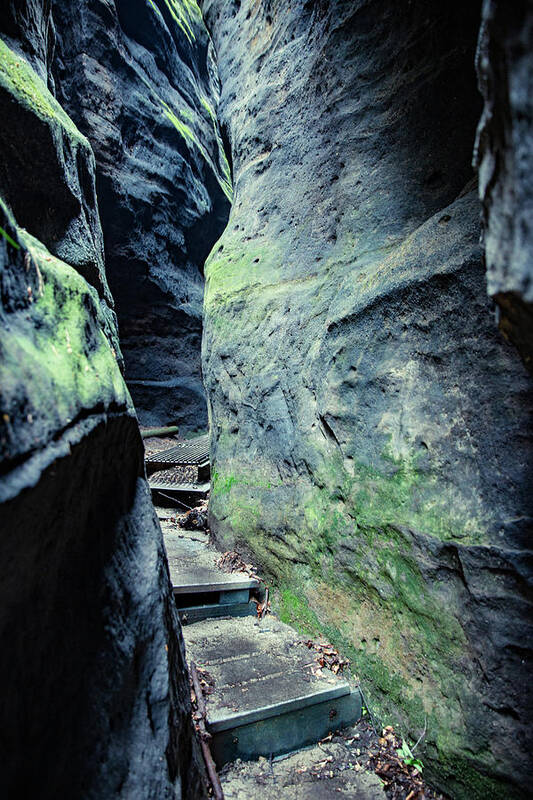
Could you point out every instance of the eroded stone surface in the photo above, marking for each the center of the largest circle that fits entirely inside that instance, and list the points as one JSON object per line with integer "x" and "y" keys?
{"x": 371, "y": 427}
{"x": 95, "y": 699}
{"x": 140, "y": 80}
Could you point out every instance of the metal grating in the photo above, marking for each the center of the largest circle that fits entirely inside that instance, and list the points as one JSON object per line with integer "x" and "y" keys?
{"x": 185, "y": 454}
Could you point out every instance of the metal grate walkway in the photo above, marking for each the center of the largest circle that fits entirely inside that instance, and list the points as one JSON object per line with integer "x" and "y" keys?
{"x": 193, "y": 453}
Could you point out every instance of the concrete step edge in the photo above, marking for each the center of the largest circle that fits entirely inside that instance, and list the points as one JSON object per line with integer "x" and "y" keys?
{"x": 215, "y": 586}
{"x": 223, "y": 721}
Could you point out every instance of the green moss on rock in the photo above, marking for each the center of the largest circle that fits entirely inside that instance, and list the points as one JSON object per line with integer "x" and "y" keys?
{"x": 405, "y": 643}
{"x": 187, "y": 14}
{"x": 408, "y": 495}
{"x": 58, "y": 356}
{"x": 18, "y": 78}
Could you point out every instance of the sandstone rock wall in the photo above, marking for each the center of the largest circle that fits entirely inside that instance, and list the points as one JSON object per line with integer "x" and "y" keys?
{"x": 504, "y": 156}
{"x": 95, "y": 698}
{"x": 140, "y": 81}
{"x": 371, "y": 427}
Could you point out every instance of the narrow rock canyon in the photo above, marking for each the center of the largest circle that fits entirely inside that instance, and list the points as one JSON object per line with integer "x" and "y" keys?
{"x": 306, "y": 226}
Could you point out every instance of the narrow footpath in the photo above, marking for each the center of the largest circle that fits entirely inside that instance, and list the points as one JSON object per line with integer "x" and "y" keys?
{"x": 266, "y": 695}
{"x": 279, "y": 722}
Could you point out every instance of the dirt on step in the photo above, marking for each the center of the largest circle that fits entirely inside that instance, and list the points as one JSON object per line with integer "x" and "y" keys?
{"x": 328, "y": 770}
{"x": 354, "y": 763}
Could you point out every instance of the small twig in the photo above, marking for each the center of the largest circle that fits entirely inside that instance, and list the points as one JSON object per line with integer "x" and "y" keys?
{"x": 369, "y": 712}
{"x": 191, "y": 538}
{"x": 413, "y": 748}
{"x": 218, "y": 794}
{"x": 178, "y": 502}
{"x": 265, "y": 605}
{"x": 148, "y": 433}
{"x": 284, "y": 756}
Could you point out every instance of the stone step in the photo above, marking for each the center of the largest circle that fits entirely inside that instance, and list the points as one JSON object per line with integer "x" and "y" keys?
{"x": 269, "y": 695}
{"x": 202, "y": 589}
{"x": 162, "y": 488}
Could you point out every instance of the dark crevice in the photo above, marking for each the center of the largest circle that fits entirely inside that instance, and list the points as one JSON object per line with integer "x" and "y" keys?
{"x": 329, "y": 432}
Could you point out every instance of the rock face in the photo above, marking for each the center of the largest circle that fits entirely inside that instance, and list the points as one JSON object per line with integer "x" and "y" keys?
{"x": 95, "y": 699}
{"x": 504, "y": 156}
{"x": 139, "y": 80}
{"x": 371, "y": 438}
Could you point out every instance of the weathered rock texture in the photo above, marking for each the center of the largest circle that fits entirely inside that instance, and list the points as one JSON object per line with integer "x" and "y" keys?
{"x": 94, "y": 688}
{"x": 504, "y": 155}
{"x": 371, "y": 426}
{"x": 139, "y": 80}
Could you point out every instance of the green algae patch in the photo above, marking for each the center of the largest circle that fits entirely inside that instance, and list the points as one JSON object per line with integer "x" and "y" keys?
{"x": 57, "y": 359}
{"x": 225, "y": 180}
{"x": 182, "y": 128}
{"x": 223, "y": 484}
{"x": 209, "y": 108}
{"x": 183, "y": 119}
{"x": 408, "y": 495}
{"x": 233, "y": 269}
{"x": 22, "y": 82}
{"x": 155, "y": 8}
{"x": 187, "y": 134}
{"x": 340, "y": 570}
{"x": 293, "y": 610}
{"x": 187, "y": 115}
{"x": 187, "y": 14}
{"x": 9, "y": 240}
{"x": 468, "y": 782}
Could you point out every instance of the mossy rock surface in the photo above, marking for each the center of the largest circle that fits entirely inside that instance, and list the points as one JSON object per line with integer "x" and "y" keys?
{"x": 57, "y": 360}
{"x": 371, "y": 442}
{"x": 98, "y": 698}
{"x": 48, "y": 171}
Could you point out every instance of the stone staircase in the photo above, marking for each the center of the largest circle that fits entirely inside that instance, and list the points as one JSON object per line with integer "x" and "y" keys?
{"x": 270, "y": 710}
{"x": 269, "y": 694}
{"x": 266, "y": 699}
{"x": 201, "y": 589}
